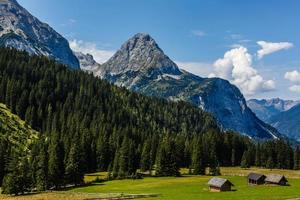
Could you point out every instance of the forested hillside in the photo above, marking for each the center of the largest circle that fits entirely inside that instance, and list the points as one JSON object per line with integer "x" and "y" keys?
{"x": 88, "y": 125}
{"x": 16, "y": 137}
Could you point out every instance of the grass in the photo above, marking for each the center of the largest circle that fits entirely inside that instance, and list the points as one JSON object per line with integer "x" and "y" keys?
{"x": 181, "y": 188}
{"x": 194, "y": 187}
{"x": 15, "y": 130}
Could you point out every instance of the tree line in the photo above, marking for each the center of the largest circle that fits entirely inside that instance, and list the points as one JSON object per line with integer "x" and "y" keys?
{"x": 88, "y": 125}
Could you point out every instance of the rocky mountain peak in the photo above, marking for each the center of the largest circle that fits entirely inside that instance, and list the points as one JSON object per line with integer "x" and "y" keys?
{"x": 22, "y": 31}
{"x": 140, "y": 53}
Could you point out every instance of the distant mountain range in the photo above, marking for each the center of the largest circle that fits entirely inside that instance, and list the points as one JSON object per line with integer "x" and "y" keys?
{"x": 140, "y": 65}
{"x": 267, "y": 108}
{"x": 288, "y": 122}
{"x": 20, "y": 30}
{"x": 281, "y": 114}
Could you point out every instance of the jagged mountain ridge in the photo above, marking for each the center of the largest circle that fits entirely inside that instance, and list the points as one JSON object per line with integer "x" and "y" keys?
{"x": 140, "y": 65}
{"x": 265, "y": 109}
{"x": 288, "y": 122}
{"x": 20, "y": 30}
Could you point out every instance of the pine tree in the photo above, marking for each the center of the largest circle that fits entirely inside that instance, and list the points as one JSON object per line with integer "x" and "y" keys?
{"x": 18, "y": 179}
{"x": 233, "y": 162}
{"x": 42, "y": 179}
{"x": 74, "y": 171}
{"x": 126, "y": 159}
{"x": 146, "y": 157}
{"x": 56, "y": 162}
{"x": 258, "y": 161}
{"x": 198, "y": 158}
{"x": 270, "y": 163}
{"x": 245, "y": 160}
{"x": 214, "y": 167}
{"x": 297, "y": 158}
{"x": 167, "y": 161}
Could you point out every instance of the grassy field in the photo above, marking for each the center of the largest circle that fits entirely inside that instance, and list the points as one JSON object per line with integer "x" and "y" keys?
{"x": 182, "y": 188}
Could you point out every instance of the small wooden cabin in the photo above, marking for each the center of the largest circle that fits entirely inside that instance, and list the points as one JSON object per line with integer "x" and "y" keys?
{"x": 256, "y": 179}
{"x": 276, "y": 179}
{"x": 219, "y": 185}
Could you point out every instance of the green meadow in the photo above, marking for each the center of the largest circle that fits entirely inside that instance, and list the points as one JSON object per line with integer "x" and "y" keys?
{"x": 178, "y": 188}
{"x": 194, "y": 187}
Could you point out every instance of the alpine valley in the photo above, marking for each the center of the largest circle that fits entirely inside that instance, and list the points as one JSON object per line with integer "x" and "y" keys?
{"x": 136, "y": 126}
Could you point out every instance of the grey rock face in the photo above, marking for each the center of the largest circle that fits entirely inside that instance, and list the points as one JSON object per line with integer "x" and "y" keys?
{"x": 87, "y": 62}
{"x": 20, "y": 30}
{"x": 140, "y": 65}
{"x": 288, "y": 122}
{"x": 140, "y": 53}
{"x": 265, "y": 109}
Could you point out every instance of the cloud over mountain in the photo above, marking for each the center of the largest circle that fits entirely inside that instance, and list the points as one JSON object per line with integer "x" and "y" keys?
{"x": 236, "y": 66}
{"x": 99, "y": 55}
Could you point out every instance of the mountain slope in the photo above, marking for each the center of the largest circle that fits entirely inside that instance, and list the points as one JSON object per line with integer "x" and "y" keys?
{"x": 20, "y": 30}
{"x": 15, "y": 131}
{"x": 288, "y": 122}
{"x": 265, "y": 109}
{"x": 140, "y": 65}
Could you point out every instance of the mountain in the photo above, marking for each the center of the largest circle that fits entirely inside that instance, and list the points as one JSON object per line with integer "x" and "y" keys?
{"x": 267, "y": 108}
{"x": 140, "y": 65}
{"x": 20, "y": 30}
{"x": 288, "y": 122}
{"x": 87, "y": 62}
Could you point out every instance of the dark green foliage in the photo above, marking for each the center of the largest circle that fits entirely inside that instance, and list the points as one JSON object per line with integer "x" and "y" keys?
{"x": 198, "y": 157}
{"x": 245, "y": 160}
{"x": 56, "y": 163}
{"x": 167, "y": 158}
{"x": 18, "y": 179}
{"x": 146, "y": 156}
{"x": 297, "y": 159}
{"x": 74, "y": 165}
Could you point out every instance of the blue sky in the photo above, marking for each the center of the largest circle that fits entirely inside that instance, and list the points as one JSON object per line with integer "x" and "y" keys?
{"x": 195, "y": 34}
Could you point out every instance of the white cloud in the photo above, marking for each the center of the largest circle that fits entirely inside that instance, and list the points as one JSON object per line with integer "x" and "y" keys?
{"x": 236, "y": 66}
{"x": 293, "y": 76}
{"x": 198, "y": 68}
{"x": 198, "y": 33}
{"x": 295, "y": 88}
{"x": 99, "y": 55}
{"x": 269, "y": 47}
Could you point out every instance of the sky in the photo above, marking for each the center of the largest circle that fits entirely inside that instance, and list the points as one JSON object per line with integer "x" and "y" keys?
{"x": 253, "y": 44}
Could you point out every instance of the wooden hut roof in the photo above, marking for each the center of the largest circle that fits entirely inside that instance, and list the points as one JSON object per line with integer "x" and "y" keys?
{"x": 255, "y": 176}
{"x": 218, "y": 182}
{"x": 275, "y": 178}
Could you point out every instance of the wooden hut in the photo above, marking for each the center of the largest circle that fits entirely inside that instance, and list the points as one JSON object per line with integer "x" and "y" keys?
{"x": 256, "y": 179}
{"x": 276, "y": 179}
{"x": 219, "y": 185}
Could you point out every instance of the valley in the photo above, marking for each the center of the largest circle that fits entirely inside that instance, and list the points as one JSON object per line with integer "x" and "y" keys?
{"x": 109, "y": 120}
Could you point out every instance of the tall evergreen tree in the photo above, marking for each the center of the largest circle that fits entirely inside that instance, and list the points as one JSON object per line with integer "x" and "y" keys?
{"x": 167, "y": 161}
{"x": 56, "y": 162}
{"x": 297, "y": 158}
{"x": 74, "y": 167}
{"x": 146, "y": 156}
{"x": 198, "y": 164}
